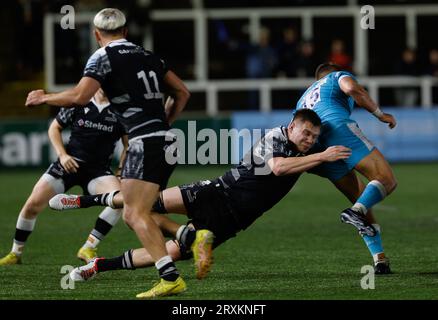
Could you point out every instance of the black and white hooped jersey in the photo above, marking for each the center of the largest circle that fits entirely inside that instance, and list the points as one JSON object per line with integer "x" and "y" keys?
{"x": 251, "y": 187}
{"x": 132, "y": 78}
{"x": 94, "y": 133}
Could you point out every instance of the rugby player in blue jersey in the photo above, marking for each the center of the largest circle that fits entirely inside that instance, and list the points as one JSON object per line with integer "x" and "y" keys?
{"x": 333, "y": 96}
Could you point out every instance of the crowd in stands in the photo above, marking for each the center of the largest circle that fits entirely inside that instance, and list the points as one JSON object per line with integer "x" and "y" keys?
{"x": 278, "y": 53}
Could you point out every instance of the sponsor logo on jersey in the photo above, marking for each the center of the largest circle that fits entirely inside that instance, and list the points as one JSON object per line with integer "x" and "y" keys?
{"x": 136, "y": 50}
{"x": 93, "y": 125}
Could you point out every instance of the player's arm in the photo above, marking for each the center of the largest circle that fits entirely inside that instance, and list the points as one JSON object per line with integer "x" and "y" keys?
{"x": 178, "y": 96}
{"x": 55, "y": 136}
{"x": 75, "y": 97}
{"x": 281, "y": 166}
{"x": 353, "y": 89}
{"x": 125, "y": 143}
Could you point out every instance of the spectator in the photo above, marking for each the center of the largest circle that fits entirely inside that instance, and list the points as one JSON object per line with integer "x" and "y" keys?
{"x": 261, "y": 60}
{"x": 288, "y": 54}
{"x": 306, "y": 61}
{"x": 432, "y": 69}
{"x": 407, "y": 66}
{"x": 339, "y": 56}
{"x": 432, "y": 66}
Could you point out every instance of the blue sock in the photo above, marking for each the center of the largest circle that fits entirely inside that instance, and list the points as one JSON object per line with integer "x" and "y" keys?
{"x": 374, "y": 244}
{"x": 373, "y": 193}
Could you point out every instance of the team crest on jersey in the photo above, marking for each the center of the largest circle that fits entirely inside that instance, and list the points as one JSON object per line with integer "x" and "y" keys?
{"x": 86, "y": 109}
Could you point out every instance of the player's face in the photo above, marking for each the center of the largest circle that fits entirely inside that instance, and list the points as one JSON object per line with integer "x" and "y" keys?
{"x": 303, "y": 134}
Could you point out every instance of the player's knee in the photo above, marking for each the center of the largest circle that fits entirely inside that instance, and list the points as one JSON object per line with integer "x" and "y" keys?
{"x": 134, "y": 217}
{"x": 389, "y": 182}
{"x": 129, "y": 217}
{"x": 392, "y": 185}
{"x": 31, "y": 208}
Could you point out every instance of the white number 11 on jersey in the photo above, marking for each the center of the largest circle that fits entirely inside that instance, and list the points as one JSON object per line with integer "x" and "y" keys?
{"x": 150, "y": 94}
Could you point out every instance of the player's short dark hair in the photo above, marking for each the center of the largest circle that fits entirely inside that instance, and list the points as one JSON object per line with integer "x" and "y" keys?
{"x": 325, "y": 68}
{"x": 307, "y": 115}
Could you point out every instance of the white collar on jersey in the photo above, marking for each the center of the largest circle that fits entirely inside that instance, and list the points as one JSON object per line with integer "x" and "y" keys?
{"x": 100, "y": 107}
{"x": 117, "y": 41}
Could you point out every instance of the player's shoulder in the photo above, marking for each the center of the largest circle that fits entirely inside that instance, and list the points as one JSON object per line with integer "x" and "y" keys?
{"x": 97, "y": 57}
{"x": 276, "y": 133}
{"x": 334, "y": 78}
{"x": 338, "y": 75}
{"x": 69, "y": 111}
{"x": 66, "y": 115}
{"x": 98, "y": 53}
{"x": 154, "y": 56}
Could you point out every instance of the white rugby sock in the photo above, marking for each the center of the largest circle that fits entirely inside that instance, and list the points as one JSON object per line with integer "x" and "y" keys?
{"x": 92, "y": 242}
{"x": 23, "y": 229}
{"x": 104, "y": 223}
{"x": 179, "y": 232}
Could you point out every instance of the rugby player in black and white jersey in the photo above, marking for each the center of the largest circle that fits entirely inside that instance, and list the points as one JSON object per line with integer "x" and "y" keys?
{"x": 232, "y": 202}
{"x": 85, "y": 161}
{"x": 136, "y": 82}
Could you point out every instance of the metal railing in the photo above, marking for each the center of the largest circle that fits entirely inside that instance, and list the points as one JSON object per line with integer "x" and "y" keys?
{"x": 265, "y": 86}
{"x": 200, "y": 18}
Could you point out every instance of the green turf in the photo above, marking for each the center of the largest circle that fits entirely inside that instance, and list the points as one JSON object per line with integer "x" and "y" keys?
{"x": 298, "y": 250}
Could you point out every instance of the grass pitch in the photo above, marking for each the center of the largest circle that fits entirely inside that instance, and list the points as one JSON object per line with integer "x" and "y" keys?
{"x": 297, "y": 250}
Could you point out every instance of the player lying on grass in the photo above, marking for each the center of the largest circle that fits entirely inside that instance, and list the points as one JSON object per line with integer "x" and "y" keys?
{"x": 333, "y": 96}
{"x": 225, "y": 205}
{"x": 84, "y": 161}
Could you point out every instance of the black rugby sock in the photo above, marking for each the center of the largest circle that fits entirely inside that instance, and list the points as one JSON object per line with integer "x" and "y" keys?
{"x": 122, "y": 262}
{"x": 95, "y": 200}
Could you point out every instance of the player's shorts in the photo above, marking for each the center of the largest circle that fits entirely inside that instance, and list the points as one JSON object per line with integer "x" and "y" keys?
{"x": 150, "y": 159}
{"x": 85, "y": 173}
{"x": 208, "y": 208}
{"x": 350, "y": 136}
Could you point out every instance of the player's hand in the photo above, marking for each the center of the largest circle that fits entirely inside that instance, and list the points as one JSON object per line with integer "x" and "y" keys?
{"x": 388, "y": 118}
{"x": 335, "y": 153}
{"x": 35, "y": 98}
{"x": 68, "y": 163}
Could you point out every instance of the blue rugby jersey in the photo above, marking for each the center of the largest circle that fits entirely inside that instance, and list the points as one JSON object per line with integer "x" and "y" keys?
{"x": 326, "y": 98}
